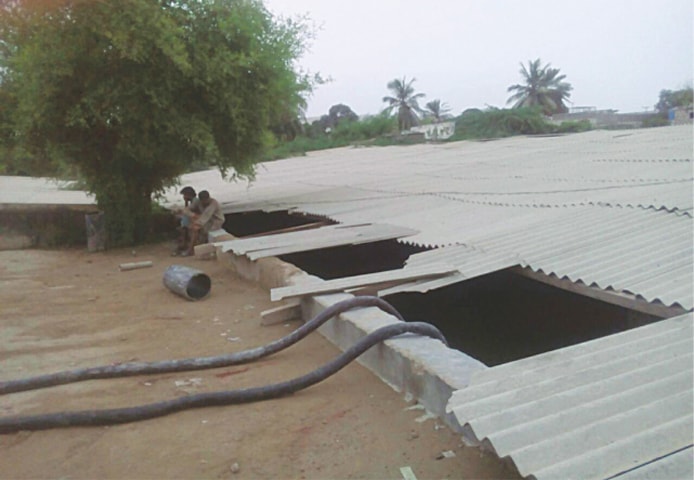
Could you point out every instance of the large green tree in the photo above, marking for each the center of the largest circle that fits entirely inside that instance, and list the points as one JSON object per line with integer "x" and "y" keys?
{"x": 405, "y": 101}
{"x": 131, "y": 92}
{"x": 337, "y": 114}
{"x": 543, "y": 86}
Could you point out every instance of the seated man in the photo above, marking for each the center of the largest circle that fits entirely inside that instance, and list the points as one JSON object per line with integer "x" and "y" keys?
{"x": 209, "y": 220}
{"x": 192, "y": 208}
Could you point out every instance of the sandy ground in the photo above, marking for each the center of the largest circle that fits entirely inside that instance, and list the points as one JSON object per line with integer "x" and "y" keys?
{"x": 66, "y": 309}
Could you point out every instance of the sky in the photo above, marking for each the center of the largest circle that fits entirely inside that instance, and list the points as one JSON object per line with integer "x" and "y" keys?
{"x": 617, "y": 54}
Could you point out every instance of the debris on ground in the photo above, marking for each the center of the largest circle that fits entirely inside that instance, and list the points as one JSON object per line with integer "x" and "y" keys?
{"x": 446, "y": 454}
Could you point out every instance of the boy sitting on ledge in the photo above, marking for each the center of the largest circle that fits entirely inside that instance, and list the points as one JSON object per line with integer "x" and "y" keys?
{"x": 211, "y": 218}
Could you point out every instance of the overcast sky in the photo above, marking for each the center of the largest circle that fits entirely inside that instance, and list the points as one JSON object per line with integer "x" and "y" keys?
{"x": 617, "y": 54}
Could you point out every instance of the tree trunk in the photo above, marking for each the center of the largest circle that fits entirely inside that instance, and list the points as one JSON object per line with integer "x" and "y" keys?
{"x": 127, "y": 211}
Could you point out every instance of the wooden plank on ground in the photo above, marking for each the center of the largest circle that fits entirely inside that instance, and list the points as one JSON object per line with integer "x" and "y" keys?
{"x": 407, "y": 473}
{"x": 283, "y": 313}
{"x": 124, "y": 267}
{"x": 342, "y": 284}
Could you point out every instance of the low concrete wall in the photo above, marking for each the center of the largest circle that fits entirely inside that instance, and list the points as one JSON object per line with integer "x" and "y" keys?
{"x": 422, "y": 367}
{"x": 268, "y": 272}
{"x": 26, "y": 226}
{"x": 29, "y": 225}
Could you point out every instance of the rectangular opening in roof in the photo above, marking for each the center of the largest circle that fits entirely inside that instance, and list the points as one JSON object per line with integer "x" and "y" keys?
{"x": 257, "y": 222}
{"x": 502, "y": 317}
{"x": 495, "y": 318}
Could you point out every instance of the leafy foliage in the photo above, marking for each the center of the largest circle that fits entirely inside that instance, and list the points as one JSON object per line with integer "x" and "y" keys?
{"x": 678, "y": 98}
{"x": 405, "y": 100}
{"x": 365, "y": 129}
{"x": 655, "y": 121}
{"x": 132, "y": 92}
{"x": 495, "y": 123}
{"x": 368, "y": 130}
{"x": 338, "y": 114}
{"x": 543, "y": 87}
{"x": 437, "y": 111}
{"x": 573, "y": 126}
{"x": 471, "y": 124}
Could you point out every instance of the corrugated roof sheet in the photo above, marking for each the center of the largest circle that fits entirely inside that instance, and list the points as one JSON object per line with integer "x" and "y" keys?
{"x": 302, "y": 241}
{"x": 592, "y": 246}
{"x": 40, "y": 191}
{"x": 616, "y": 407}
{"x": 612, "y": 209}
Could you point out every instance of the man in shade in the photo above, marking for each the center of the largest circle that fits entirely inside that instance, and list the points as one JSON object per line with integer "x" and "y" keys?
{"x": 190, "y": 210}
{"x": 211, "y": 218}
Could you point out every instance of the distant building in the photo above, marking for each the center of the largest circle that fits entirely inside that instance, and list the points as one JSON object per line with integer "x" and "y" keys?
{"x": 582, "y": 109}
{"x": 435, "y": 131}
{"x": 607, "y": 118}
{"x": 681, "y": 115}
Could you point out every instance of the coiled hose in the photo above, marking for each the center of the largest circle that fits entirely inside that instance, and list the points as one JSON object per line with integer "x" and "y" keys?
{"x": 230, "y": 397}
{"x": 199, "y": 363}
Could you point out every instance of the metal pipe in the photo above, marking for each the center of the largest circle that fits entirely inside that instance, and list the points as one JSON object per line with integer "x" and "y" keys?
{"x": 187, "y": 282}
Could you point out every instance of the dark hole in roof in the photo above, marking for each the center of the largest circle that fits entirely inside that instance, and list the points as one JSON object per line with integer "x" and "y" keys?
{"x": 495, "y": 318}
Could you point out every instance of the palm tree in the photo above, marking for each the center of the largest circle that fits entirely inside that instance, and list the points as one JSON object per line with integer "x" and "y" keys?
{"x": 437, "y": 110}
{"x": 405, "y": 100}
{"x": 543, "y": 87}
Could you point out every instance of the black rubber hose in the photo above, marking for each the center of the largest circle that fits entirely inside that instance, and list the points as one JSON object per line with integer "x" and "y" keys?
{"x": 229, "y": 397}
{"x": 199, "y": 363}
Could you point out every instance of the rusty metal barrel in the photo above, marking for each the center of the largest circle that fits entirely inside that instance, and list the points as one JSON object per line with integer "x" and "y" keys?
{"x": 187, "y": 282}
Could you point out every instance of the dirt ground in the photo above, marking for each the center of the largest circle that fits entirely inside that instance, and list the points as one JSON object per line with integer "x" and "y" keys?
{"x": 66, "y": 309}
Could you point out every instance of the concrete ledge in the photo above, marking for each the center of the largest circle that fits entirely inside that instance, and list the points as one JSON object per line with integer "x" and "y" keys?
{"x": 25, "y": 226}
{"x": 422, "y": 367}
{"x": 283, "y": 313}
{"x": 268, "y": 272}
{"x": 219, "y": 236}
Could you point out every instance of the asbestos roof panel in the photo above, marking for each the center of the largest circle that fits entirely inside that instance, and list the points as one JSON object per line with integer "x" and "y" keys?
{"x": 675, "y": 466}
{"x": 345, "y": 283}
{"x": 301, "y": 241}
{"x": 593, "y": 247}
{"x": 611, "y": 209}
{"x": 470, "y": 264}
{"x": 375, "y": 235}
{"x": 40, "y": 191}
{"x": 594, "y": 410}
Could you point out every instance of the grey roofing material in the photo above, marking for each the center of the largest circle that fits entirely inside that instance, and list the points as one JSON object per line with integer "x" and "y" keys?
{"x": 357, "y": 281}
{"x": 470, "y": 264}
{"x": 676, "y": 466}
{"x": 601, "y": 409}
{"x": 40, "y": 191}
{"x": 302, "y": 241}
{"x": 593, "y": 246}
{"x": 611, "y": 209}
